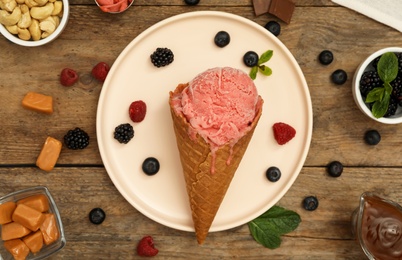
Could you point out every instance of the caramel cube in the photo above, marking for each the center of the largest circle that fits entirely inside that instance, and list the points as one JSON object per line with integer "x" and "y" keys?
{"x": 38, "y": 202}
{"x": 28, "y": 217}
{"x": 6, "y": 211}
{"x": 34, "y": 241}
{"x": 49, "y": 154}
{"x": 38, "y": 102}
{"x": 17, "y": 248}
{"x": 49, "y": 229}
{"x": 13, "y": 230}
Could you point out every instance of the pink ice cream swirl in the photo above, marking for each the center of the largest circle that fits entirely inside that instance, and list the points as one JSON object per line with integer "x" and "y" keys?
{"x": 220, "y": 105}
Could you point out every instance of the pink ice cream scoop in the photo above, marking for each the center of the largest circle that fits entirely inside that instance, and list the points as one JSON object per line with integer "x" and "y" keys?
{"x": 219, "y": 104}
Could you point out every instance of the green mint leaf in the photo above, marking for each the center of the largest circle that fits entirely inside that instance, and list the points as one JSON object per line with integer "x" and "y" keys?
{"x": 387, "y": 88}
{"x": 380, "y": 107}
{"x": 277, "y": 221}
{"x": 265, "y": 70}
{"x": 266, "y": 56}
{"x": 387, "y": 67}
{"x": 376, "y": 94}
{"x": 253, "y": 72}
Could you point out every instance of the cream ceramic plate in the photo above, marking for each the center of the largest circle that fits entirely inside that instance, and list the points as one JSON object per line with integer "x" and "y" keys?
{"x": 163, "y": 197}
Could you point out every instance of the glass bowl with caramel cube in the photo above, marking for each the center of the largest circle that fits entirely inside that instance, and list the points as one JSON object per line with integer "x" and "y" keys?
{"x": 30, "y": 225}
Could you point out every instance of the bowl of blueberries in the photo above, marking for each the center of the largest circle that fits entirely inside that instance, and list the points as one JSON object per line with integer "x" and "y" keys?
{"x": 377, "y": 86}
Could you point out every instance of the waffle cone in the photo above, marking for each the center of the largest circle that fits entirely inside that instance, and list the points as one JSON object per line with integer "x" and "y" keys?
{"x": 207, "y": 189}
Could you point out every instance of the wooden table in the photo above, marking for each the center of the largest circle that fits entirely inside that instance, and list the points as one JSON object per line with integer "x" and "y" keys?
{"x": 79, "y": 181}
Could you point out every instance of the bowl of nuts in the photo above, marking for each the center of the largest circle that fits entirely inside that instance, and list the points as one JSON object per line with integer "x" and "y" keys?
{"x": 377, "y": 86}
{"x": 33, "y": 22}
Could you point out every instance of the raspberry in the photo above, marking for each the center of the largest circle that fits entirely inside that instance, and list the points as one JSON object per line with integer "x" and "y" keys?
{"x": 146, "y": 247}
{"x": 137, "y": 111}
{"x": 68, "y": 77}
{"x": 283, "y": 133}
{"x": 100, "y": 71}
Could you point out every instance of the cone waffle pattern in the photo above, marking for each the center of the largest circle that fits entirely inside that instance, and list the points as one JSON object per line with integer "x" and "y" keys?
{"x": 206, "y": 190}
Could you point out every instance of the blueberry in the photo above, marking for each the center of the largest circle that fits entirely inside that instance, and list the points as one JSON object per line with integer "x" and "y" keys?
{"x": 150, "y": 166}
{"x": 192, "y": 2}
{"x": 222, "y": 39}
{"x": 250, "y": 59}
{"x": 274, "y": 27}
{"x": 335, "y": 169}
{"x": 326, "y": 57}
{"x": 372, "y": 137}
{"x": 339, "y": 77}
{"x": 273, "y": 174}
{"x": 310, "y": 203}
{"x": 97, "y": 216}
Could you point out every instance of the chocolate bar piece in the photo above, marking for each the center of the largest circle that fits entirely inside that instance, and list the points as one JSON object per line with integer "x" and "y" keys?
{"x": 283, "y": 9}
{"x": 261, "y": 6}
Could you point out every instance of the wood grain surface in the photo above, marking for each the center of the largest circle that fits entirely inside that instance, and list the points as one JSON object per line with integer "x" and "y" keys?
{"x": 79, "y": 181}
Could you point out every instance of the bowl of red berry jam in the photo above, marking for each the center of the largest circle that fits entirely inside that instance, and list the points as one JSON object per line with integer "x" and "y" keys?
{"x": 377, "y": 86}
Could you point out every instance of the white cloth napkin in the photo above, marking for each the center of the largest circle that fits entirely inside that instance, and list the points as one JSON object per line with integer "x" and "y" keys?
{"x": 388, "y": 12}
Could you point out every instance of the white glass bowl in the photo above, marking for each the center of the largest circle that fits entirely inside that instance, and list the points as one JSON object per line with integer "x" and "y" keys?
{"x": 364, "y": 66}
{"x": 47, "y": 250}
{"x": 31, "y": 43}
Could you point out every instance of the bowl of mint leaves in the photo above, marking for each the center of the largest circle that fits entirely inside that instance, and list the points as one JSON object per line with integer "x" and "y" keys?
{"x": 377, "y": 86}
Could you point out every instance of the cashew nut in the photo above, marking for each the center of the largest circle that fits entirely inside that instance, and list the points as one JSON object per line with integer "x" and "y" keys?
{"x": 56, "y": 20}
{"x": 13, "y": 29}
{"x": 20, "y": 2}
{"x": 25, "y": 20}
{"x": 8, "y": 19}
{"x": 24, "y": 34}
{"x": 42, "y": 12}
{"x": 47, "y": 26}
{"x": 58, "y": 5}
{"x": 35, "y": 30}
{"x": 31, "y": 3}
{"x": 8, "y": 5}
{"x": 41, "y": 2}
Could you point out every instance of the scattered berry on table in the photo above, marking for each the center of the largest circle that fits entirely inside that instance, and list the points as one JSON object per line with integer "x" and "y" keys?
{"x": 250, "y": 58}
{"x": 146, "y": 247}
{"x": 369, "y": 81}
{"x": 274, "y": 27}
{"x": 326, "y": 57}
{"x": 68, "y": 77}
{"x": 310, "y": 203}
{"x": 97, "y": 216}
{"x": 100, "y": 71}
{"x": 137, "y": 111}
{"x": 76, "y": 139}
{"x": 192, "y": 2}
{"x": 339, "y": 77}
{"x": 283, "y": 132}
{"x": 335, "y": 169}
{"x": 124, "y": 133}
{"x": 372, "y": 137}
{"x": 162, "y": 57}
{"x": 150, "y": 166}
{"x": 273, "y": 174}
{"x": 222, "y": 39}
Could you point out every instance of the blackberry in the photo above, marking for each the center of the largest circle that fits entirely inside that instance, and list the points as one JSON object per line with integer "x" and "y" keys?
{"x": 397, "y": 87}
{"x": 393, "y": 105}
{"x": 399, "y": 55}
{"x": 162, "y": 57}
{"x": 375, "y": 62}
{"x": 76, "y": 139}
{"x": 123, "y": 133}
{"x": 369, "y": 81}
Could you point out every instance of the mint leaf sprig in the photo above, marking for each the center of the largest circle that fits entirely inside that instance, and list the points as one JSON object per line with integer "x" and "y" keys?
{"x": 268, "y": 228}
{"x": 265, "y": 70}
{"x": 387, "y": 69}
